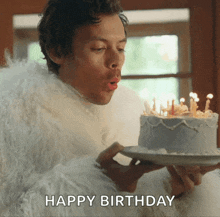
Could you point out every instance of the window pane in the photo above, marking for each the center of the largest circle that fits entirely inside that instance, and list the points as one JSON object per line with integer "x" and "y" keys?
{"x": 162, "y": 89}
{"x": 34, "y": 52}
{"x": 151, "y": 55}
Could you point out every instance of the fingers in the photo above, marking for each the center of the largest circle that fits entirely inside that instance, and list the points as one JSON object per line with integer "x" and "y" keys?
{"x": 143, "y": 167}
{"x": 188, "y": 183}
{"x": 188, "y": 176}
{"x": 133, "y": 172}
{"x": 133, "y": 162}
{"x": 184, "y": 178}
{"x": 125, "y": 177}
{"x": 194, "y": 173}
{"x": 196, "y": 178}
{"x": 173, "y": 173}
{"x": 107, "y": 155}
{"x": 206, "y": 169}
{"x": 177, "y": 184}
{"x": 149, "y": 167}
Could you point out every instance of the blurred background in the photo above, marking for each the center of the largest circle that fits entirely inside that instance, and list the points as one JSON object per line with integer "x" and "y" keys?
{"x": 173, "y": 46}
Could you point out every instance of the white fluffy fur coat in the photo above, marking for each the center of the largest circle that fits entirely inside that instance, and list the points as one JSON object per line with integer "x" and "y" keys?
{"x": 50, "y": 137}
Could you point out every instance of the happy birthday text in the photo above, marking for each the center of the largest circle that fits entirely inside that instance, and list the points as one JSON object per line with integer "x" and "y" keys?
{"x": 104, "y": 200}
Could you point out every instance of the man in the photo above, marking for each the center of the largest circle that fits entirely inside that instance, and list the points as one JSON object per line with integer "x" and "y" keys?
{"x": 55, "y": 128}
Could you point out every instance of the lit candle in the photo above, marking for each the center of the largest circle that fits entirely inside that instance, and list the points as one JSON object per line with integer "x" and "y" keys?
{"x": 209, "y": 97}
{"x": 154, "y": 105}
{"x": 168, "y": 105}
{"x": 172, "y": 113}
{"x": 182, "y": 100}
{"x": 191, "y": 101}
{"x": 195, "y": 106}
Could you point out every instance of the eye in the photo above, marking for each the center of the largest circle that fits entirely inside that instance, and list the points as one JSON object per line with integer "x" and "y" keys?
{"x": 99, "y": 49}
{"x": 121, "y": 50}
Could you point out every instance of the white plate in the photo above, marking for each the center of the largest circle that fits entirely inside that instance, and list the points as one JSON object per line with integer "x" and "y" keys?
{"x": 142, "y": 153}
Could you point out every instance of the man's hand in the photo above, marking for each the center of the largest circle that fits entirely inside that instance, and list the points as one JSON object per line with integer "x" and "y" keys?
{"x": 125, "y": 177}
{"x": 185, "y": 178}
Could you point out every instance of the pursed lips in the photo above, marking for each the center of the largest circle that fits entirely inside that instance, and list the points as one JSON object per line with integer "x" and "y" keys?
{"x": 113, "y": 84}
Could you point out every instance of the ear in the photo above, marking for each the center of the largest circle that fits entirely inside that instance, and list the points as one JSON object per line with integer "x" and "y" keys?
{"x": 56, "y": 58}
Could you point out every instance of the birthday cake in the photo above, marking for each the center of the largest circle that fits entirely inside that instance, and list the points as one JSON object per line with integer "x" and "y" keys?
{"x": 180, "y": 132}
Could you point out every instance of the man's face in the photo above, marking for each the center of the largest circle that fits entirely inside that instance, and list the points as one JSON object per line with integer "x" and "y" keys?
{"x": 94, "y": 68}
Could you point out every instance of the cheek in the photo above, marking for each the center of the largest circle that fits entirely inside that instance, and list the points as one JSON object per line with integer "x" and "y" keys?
{"x": 95, "y": 61}
{"x": 90, "y": 67}
{"x": 89, "y": 73}
{"x": 87, "y": 59}
{"x": 93, "y": 66}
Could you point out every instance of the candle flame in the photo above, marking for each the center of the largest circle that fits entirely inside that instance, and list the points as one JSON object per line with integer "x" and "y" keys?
{"x": 182, "y": 100}
{"x": 195, "y": 95}
{"x": 210, "y": 96}
{"x": 191, "y": 94}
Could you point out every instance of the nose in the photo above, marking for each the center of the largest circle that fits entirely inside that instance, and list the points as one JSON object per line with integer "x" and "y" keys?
{"x": 115, "y": 59}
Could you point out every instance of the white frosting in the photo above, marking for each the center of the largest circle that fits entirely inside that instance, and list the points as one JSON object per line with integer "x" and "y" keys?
{"x": 179, "y": 134}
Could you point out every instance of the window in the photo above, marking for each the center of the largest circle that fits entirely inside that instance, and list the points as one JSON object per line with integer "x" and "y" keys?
{"x": 158, "y": 55}
{"x": 34, "y": 52}
{"x": 151, "y": 55}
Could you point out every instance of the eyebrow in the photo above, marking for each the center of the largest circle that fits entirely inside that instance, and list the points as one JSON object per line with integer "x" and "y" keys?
{"x": 105, "y": 40}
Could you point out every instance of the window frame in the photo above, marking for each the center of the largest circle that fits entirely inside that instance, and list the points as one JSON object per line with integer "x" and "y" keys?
{"x": 182, "y": 31}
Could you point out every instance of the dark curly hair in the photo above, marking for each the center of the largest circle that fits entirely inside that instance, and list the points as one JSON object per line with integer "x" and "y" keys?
{"x": 62, "y": 17}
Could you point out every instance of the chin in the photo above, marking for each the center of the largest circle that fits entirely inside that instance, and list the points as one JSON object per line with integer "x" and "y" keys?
{"x": 101, "y": 100}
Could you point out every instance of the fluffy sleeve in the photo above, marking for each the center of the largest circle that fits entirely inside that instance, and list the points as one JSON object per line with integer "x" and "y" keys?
{"x": 80, "y": 179}
{"x": 202, "y": 201}
{"x": 34, "y": 137}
